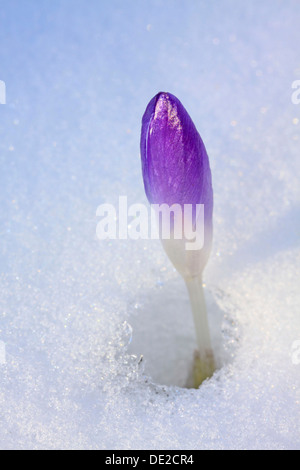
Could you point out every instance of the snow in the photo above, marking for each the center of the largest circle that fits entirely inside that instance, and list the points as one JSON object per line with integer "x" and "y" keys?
{"x": 77, "y": 313}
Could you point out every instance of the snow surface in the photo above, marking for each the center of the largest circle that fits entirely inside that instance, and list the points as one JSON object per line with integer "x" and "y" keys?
{"x": 77, "y": 313}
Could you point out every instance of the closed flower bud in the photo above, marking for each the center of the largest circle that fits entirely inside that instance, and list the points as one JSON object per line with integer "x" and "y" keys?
{"x": 176, "y": 171}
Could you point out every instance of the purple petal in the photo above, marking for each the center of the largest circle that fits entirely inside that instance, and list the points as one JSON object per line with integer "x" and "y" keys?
{"x": 175, "y": 164}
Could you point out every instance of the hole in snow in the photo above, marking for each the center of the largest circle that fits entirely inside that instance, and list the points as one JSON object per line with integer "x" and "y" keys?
{"x": 163, "y": 332}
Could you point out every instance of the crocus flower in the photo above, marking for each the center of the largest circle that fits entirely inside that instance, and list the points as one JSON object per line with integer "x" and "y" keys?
{"x": 176, "y": 171}
{"x": 175, "y": 166}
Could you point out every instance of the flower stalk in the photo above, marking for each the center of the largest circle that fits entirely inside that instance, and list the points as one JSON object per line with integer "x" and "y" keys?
{"x": 204, "y": 362}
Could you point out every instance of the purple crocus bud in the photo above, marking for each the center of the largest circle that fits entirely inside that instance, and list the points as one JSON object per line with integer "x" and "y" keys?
{"x": 176, "y": 171}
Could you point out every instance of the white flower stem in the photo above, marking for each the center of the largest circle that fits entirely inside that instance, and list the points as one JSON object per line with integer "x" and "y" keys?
{"x": 204, "y": 363}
